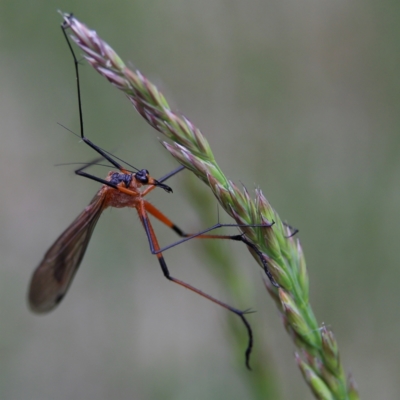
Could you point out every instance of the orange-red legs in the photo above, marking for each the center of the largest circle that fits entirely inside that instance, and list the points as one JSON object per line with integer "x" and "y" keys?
{"x": 55, "y": 273}
{"x": 201, "y": 235}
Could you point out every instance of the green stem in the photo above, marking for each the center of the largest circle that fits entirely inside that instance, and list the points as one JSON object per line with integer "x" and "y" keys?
{"x": 320, "y": 362}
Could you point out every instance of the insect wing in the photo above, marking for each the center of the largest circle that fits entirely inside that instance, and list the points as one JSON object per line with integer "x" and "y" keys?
{"x": 53, "y": 276}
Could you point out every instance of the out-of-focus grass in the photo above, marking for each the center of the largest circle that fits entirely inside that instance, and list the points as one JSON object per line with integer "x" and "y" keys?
{"x": 307, "y": 92}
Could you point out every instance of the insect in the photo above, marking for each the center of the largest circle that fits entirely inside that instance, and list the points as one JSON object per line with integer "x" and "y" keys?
{"x": 121, "y": 188}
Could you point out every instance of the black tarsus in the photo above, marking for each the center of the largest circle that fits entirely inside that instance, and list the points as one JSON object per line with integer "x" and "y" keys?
{"x": 260, "y": 256}
{"x": 165, "y": 270}
{"x": 163, "y": 186}
{"x": 294, "y": 230}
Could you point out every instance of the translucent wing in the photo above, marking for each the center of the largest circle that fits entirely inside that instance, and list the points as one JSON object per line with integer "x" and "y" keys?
{"x": 52, "y": 277}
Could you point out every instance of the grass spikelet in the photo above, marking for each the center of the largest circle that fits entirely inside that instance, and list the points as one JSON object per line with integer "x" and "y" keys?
{"x": 320, "y": 362}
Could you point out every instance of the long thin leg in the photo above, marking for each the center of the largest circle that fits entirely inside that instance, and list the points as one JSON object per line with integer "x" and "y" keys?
{"x": 202, "y": 235}
{"x": 171, "y": 174}
{"x": 155, "y": 246}
{"x": 99, "y": 150}
{"x": 163, "y": 179}
{"x": 93, "y": 177}
{"x": 155, "y": 212}
{"x": 78, "y": 86}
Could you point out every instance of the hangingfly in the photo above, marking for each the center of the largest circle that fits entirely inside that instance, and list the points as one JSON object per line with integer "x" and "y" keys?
{"x": 121, "y": 188}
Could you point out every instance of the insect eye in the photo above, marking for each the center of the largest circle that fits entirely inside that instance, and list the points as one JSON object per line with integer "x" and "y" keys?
{"x": 142, "y": 176}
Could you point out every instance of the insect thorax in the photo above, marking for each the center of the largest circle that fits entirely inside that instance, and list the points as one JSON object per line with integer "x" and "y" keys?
{"x": 119, "y": 177}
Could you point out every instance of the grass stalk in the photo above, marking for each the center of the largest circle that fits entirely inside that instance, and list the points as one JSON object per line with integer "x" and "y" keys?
{"x": 317, "y": 350}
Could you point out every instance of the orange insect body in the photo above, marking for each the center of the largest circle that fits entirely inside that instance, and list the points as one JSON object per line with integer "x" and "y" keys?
{"x": 129, "y": 196}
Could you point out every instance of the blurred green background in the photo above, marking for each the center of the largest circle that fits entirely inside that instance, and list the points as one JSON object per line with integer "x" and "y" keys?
{"x": 298, "y": 97}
